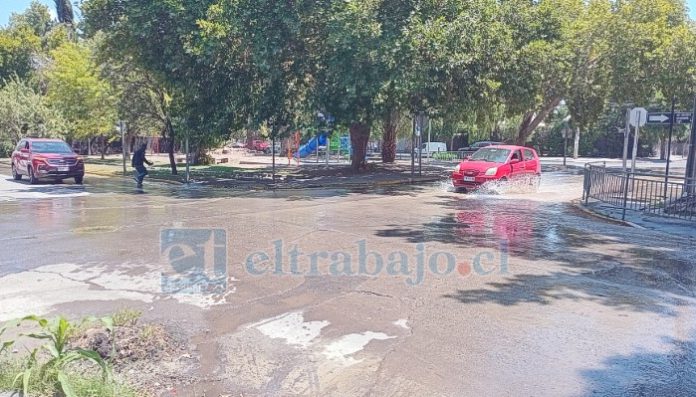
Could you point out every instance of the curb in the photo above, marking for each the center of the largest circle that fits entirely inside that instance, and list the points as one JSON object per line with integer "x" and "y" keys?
{"x": 577, "y": 203}
{"x": 408, "y": 181}
{"x": 261, "y": 186}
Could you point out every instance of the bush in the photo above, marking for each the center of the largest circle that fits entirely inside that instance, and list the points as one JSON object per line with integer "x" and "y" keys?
{"x": 445, "y": 156}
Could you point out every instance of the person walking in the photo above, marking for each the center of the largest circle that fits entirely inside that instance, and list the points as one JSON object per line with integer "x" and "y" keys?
{"x": 138, "y": 163}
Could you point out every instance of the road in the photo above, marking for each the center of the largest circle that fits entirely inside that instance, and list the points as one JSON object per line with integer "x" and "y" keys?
{"x": 392, "y": 292}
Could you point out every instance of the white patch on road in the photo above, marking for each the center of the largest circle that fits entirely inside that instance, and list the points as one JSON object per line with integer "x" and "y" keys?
{"x": 37, "y": 291}
{"x": 347, "y": 345}
{"x": 403, "y": 323}
{"x": 292, "y": 328}
{"x": 18, "y": 190}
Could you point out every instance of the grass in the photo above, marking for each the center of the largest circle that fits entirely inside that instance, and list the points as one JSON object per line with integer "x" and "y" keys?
{"x": 126, "y": 317}
{"x": 85, "y": 383}
{"x": 444, "y": 156}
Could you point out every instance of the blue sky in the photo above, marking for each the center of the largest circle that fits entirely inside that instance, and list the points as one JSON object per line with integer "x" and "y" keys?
{"x": 7, "y": 7}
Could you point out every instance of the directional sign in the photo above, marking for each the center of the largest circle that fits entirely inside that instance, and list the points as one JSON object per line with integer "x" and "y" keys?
{"x": 663, "y": 118}
{"x": 683, "y": 117}
{"x": 659, "y": 118}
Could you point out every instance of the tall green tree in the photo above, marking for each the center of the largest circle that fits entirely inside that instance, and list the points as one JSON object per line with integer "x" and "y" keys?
{"x": 83, "y": 97}
{"x": 24, "y": 111}
{"x": 18, "y": 48}
{"x": 37, "y": 17}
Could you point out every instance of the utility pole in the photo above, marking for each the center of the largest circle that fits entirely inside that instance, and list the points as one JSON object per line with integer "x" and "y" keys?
{"x": 691, "y": 159}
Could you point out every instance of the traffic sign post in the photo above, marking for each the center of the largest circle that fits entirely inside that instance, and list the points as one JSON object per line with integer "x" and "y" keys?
{"x": 565, "y": 132}
{"x": 672, "y": 120}
{"x": 637, "y": 118}
{"x": 627, "y": 133}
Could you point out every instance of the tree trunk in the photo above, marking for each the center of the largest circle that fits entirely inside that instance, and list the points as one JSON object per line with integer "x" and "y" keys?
{"x": 389, "y": 126}
{"x": 103, "y": 147}
{"x": 359, "y": 136}
{"x": 168, "y": 134}
{"x": 663, "y": 147}
{"x": 531, "y": 121}
{"x": 89, "y": 146}
{"x": 576, "y": 143}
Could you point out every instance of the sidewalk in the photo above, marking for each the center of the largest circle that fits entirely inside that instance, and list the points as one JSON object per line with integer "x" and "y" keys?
{"x": 677, "y": 163}
{"x": 638, "y": 219}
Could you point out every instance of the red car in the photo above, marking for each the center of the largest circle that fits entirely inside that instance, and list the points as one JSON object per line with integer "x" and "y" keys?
{"x": 46, "y": 158}
{"x": 258, "y": 145}
{"x": 497, "y": 163}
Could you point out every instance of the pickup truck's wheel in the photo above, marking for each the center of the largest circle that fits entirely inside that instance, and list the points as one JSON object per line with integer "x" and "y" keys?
{"x": 78, "y": 180}
{"x": 16, "y": 175}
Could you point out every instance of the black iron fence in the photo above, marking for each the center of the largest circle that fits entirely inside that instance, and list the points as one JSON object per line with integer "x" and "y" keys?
{"x": 645, "y": 192}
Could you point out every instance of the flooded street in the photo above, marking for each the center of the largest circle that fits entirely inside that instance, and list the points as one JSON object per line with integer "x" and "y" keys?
{"x": 397, "y": 291}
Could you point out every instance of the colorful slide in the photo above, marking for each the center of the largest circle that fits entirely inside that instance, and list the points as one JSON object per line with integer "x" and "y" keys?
{"x": 311, "y": 146}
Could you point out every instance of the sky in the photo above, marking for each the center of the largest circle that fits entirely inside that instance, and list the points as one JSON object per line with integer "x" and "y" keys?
{"x": 7, "y": 7}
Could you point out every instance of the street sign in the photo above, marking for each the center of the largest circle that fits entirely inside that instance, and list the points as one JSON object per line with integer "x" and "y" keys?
{"x": 683, "y": 117}
{"x": 663, "y": 118}
{"x": 659, "y": 118}
{"x": 638, "y": 117}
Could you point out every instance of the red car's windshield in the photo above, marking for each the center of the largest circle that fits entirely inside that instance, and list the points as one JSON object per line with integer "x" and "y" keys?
{"x": 50, "y": 147}
{"x": 494, "y": 155}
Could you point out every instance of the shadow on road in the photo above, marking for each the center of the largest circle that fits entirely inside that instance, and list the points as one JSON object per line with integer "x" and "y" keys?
{"x": 647, "y": 373}
{"x": 599, "y": 261}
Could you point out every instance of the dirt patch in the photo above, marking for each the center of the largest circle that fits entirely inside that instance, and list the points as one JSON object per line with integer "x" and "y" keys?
{"x": 151, "y": 357}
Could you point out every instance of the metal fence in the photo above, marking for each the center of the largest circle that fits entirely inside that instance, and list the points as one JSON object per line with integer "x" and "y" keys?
{"x": 648, "y": 193}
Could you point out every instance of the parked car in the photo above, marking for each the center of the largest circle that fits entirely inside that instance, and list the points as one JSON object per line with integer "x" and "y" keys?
{"x": 46, "y": 158}
{"x": 258, "y": 145}
{"x": 497, "y": 163}
{"x": 469, "y": 150}
{"x": 428, "y": 148}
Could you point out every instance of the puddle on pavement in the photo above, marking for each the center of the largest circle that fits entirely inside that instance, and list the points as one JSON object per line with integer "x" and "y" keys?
{"x": 341, "y": 349}
{"x": 292, "y": 328}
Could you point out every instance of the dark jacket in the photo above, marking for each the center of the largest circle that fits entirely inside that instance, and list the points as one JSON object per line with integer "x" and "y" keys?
{"x": 139, "y": 158}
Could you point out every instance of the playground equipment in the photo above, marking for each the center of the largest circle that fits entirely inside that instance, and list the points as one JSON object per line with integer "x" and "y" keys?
{"x": 311, "y": 146}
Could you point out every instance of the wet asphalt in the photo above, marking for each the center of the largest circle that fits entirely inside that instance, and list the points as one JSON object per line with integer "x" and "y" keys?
{"x": 539, "y": 299}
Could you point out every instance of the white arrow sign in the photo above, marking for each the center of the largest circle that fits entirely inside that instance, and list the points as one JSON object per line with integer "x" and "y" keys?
{"x": 660, "y": 119}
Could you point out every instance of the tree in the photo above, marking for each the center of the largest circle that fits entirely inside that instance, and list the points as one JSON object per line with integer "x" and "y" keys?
{"x": 82, "y": 96}
{"x": 162, "y": 39}
{"x": 37, "y": 18}
{"x": 261, "y": 45}
{"x": 18, "y": 46}
{"x": 350, "y": 77}
{"x": 24, "y": 111}
{"x": 589, "y": 68}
